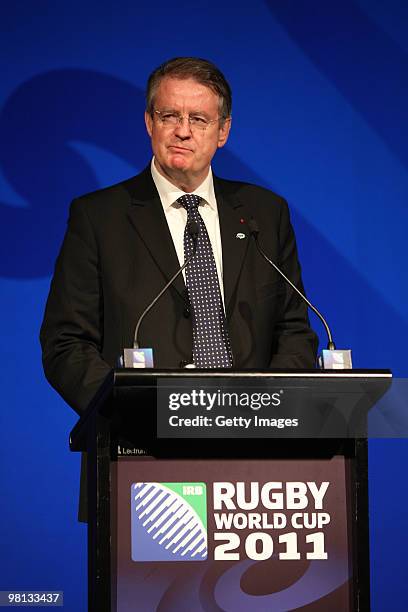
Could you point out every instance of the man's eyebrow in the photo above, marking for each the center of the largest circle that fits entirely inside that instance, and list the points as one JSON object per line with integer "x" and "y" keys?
{"x": 192, "y": 112}
{"x": 199, "y": 112}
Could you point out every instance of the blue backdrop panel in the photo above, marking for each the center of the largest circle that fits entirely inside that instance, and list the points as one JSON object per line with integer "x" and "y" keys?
{"x": 320, "y": 116}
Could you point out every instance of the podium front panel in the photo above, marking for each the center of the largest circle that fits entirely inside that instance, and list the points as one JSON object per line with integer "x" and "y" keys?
{"x": 223, "y": 534}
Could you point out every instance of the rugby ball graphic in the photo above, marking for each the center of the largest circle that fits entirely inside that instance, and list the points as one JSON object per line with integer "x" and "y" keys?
{"x": 169, "y": 521}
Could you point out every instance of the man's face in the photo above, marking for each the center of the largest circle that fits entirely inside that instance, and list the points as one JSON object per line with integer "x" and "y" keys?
{"x": 183, "y": 154}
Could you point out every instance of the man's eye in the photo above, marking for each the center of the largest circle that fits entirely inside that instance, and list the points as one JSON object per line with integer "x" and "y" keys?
{"x": 197, "y": 120}
{"x": 170, "y": 117}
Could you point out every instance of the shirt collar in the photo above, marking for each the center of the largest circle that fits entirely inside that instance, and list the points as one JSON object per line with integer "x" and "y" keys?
{"x": 169, "y": 193}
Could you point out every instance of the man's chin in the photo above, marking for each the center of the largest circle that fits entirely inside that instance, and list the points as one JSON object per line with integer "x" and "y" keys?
{"x": 178, "y": 171}
{"x": 178, "y": 162}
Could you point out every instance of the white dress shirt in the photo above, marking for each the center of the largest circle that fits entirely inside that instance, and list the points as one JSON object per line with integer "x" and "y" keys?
{"x": 176, "y": 215}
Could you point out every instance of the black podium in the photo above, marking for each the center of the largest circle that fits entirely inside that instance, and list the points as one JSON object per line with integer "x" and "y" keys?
{"x": 220, "y": 490}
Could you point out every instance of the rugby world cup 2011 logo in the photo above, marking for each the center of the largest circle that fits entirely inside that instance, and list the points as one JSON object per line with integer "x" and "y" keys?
{"x": 169, "y": 521}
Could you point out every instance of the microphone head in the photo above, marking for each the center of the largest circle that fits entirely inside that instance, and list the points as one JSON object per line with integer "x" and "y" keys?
{"x": 253, "y": 227}
{"x": 193, "y": 229}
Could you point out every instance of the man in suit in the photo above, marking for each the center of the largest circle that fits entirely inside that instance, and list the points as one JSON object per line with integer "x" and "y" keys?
{"x": 124, "y": 242}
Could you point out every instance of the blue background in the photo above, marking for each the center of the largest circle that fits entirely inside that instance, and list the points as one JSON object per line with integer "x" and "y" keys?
{"x": 319, "y": 115}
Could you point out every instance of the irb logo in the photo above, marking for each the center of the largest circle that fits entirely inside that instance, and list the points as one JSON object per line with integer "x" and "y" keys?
{"x": 169, "y": 521}
{"x": 193, "y": 489}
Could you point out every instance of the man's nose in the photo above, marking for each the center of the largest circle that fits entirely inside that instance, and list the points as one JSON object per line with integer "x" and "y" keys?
{"x": 183, "y": 127}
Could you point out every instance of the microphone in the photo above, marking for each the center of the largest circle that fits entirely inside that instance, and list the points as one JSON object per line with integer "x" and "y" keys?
{"x": 143, "y": 357}
{"x": 331, "y": 358}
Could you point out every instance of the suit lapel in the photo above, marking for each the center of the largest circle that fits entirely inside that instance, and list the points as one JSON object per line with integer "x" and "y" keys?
{"x": 234, "y": 237}
{"x": 148, "y": 219}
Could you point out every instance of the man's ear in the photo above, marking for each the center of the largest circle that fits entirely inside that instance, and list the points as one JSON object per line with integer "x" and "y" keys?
{"x": 148, "y": 123}
{"x": 223, "y": 132}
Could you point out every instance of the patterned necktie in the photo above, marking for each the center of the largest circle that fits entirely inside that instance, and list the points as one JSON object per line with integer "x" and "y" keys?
{"x": 211, "y": 344}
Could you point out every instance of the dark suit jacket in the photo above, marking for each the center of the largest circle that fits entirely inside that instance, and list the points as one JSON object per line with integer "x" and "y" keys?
{"x": 118, "y": 253}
